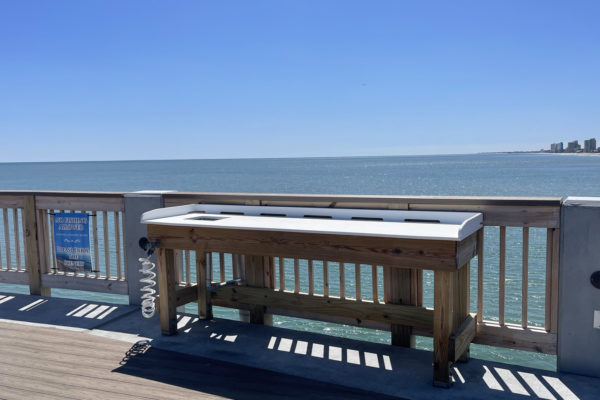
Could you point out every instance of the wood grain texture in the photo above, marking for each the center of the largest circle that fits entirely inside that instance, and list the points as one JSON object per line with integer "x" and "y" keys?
{"x": 401, "y": 253}
{"x": 55, "y": 364}
{"x": 32, "y": 256}
{"x": 203, "y": 280}
{"x": 462, "y": 337}
{"x": 443, "y": 325}
{"x": 405, "y": 315}
{"x": 398, "y": 290}
{"x": 167, "y": 291}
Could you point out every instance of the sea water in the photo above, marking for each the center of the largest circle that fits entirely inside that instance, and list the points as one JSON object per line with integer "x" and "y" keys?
{"x": 452, "y": 175}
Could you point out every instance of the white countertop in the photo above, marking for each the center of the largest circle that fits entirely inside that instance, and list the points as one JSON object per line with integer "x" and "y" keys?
{"x": 427, "y": 225}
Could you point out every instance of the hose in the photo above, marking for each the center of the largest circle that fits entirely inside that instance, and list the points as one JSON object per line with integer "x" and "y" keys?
{"x": 148, "y": 306}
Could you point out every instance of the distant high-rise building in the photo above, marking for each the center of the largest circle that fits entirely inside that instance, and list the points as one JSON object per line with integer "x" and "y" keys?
{"x": 589, "y": 146}
{"x": 556, "y": 147}
{"x": 573, "y": 146}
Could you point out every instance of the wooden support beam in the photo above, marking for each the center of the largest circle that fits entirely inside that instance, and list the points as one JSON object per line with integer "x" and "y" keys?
{"x": 443, "y": 319}
{"x": 462, "y": 337}
{"x": 397, "y": 290}
{"x": 167, "y": 290}
{"x": 390, "y": 313}
{"x": 461, "y": 302}
{"x": 203, "y": 280}
{"x": 32, "y": 254}
{"x": 257, "y": 268}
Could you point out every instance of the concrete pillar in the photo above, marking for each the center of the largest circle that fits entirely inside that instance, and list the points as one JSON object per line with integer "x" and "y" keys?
{"x": 136, "y": 204}
{"x": 579, "y": 301}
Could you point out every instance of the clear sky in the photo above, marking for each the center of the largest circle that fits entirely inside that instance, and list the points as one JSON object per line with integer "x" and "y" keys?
{"x": 113, "y": 80}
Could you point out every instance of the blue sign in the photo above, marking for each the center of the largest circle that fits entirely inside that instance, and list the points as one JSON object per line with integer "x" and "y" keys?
{"x": 72, "y": 242}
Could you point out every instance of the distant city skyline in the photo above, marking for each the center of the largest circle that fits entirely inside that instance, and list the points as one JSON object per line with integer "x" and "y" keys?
{"x": 116, "y": 80}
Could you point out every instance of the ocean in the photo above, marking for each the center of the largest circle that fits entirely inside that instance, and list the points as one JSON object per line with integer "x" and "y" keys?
{"x": 452, "y": 175}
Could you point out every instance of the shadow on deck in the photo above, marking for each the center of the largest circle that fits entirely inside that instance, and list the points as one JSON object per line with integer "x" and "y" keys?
{"x": 238, "y": 360}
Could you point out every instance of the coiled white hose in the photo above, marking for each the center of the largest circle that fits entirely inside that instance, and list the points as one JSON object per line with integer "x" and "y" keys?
{"x": 148, "y": 298}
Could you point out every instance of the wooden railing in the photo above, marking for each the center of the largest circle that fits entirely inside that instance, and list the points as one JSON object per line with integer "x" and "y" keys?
{"x": 27, "y": 212}
{"x": 511, "y": 225}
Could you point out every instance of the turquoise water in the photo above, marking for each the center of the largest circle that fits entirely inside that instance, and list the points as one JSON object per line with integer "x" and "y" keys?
{"x": 468, "y": 175}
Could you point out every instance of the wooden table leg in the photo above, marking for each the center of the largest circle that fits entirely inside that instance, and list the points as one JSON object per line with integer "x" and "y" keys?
{"x": 258, "y": 272}
{"x": 443, "y": 321}
{"x": 398, "y": 290}
{"x": 202, "y": 278}
{"x": 461, "y": 301}
{"x": 166, "y": 289}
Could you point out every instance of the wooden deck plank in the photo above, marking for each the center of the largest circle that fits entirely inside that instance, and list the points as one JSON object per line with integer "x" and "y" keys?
{"x": 48, "y": 363}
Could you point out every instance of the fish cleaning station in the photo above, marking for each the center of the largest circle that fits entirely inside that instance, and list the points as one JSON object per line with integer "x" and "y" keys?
{"x": 254, "y": 296}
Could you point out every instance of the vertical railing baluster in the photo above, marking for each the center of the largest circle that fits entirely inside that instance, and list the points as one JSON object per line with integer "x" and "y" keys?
{"x": 554, "y": 287}
{"x": 118, "y": 245}
{"x": 480, "y": 274}
{"x": 222, "y": 267}
{"x": 15, "y": 215}
{"x": 342, "y": 280}
{"x": 95, "y": 232}
{"x": 281, "y": 274}
{"x": 326, "y": 278}
{"x": 54, "y": 266}
{"x": 525, "y": 277}
{"x": 311, "y": 278}
{"x": 188, "y": 268}
{"x": 357, "y": 280}
{"x": 6, "y": 237}
{"x": 106, "y": 244}
{"x": 296, "y": 275}
{"x": 548, "y": 297}
{"x": 122, "y": 244}
{"x": 375, "y": 284}
{"x": 502, "y": 278}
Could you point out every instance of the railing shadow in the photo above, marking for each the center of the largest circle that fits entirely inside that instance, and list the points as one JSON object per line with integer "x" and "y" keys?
{"x": 227, "y": 379}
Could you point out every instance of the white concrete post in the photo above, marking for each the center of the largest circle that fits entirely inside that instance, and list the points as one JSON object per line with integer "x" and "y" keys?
{"x": 579, "y": 300}
{"x": 136, "y": 204}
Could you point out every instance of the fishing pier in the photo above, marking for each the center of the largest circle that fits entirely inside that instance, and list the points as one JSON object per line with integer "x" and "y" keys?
{"x": 324, "y": 268}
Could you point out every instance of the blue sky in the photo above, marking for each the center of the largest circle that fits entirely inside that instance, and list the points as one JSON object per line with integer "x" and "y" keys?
{"x": 111, "y": 80}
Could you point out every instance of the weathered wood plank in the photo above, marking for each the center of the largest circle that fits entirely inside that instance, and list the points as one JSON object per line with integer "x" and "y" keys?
{"x": 502, "y": 276}
{"x": 203, "y": 280}
{"x": 167, "y": 290}
{"x": 555, "y": 274}
{"x": 357, "y": 277}
{"x": 443, "y": 319}
{"x": 32, "y": 256}
{"x": 11, "y": 201}
{"x": 17, "y": 236}
{"x": 401, "y": 253}
{"x": 525, "y": 277}
{"x": 116, "y": 216}
{"x": 17, "y": 277}
{"x": 80, "y": 203}
{"x": 515, "y": 337}
{"x": 397, "y": 290}
{"x": 462, "y": 337}
{"x": 400, "y": 314}
{"x": 311, "y": 278}
{"x": 480, "y": 255}
{"x": 6, "y": 238}
{"x": 81, "y": 282}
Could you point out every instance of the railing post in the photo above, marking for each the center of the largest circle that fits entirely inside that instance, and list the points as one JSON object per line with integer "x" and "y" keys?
{"x": 32, "y": 248}
{"x": 135, "y": 204}
{"x": 579, "y": 300}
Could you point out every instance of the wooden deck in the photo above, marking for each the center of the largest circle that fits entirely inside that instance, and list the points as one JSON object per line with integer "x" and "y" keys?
{"x": 46, "y": 363}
